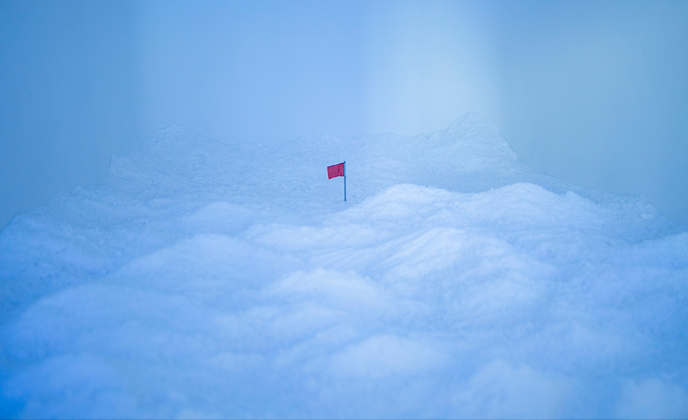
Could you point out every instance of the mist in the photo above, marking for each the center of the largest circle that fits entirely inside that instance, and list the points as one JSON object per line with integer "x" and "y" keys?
{"x": 69, "y": 97}
{"x": 510, "y": 240}
{"x": 596, "y": 93}
{"x": 592, "y": 92}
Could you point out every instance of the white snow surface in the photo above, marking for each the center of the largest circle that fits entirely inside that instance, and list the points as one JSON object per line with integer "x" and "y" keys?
{"x": 206, "y": 279}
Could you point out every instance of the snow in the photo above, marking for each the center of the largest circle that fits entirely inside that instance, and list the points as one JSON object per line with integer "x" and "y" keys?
{"x": 206, "y": 279}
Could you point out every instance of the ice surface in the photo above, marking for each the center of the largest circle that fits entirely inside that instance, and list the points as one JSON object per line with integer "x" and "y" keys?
{"x": 230, "y": 280}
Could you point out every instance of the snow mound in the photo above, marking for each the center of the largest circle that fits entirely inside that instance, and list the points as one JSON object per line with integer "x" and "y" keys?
{"x": 206, "y": 279}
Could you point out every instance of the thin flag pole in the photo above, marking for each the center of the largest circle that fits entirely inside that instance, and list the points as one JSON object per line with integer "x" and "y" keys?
{"x": 335, "y": 171}
{"x": 344, "y": 180}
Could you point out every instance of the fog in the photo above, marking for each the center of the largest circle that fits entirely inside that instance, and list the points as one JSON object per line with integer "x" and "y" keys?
{"x": 69, "y": 97}
{"x": 596, "y": 92}
{"x": 593, "y": 92}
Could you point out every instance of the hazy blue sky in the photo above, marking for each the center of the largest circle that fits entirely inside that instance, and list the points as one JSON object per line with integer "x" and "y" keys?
{"x": 275, "y": 71}
{"x": 592, "y": 91}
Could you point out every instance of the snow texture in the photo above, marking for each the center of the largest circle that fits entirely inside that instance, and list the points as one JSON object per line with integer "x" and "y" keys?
{"x": 206, "y": 279}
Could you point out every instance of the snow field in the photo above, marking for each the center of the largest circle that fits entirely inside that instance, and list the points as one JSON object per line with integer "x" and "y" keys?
{"x": 214, "y": 280}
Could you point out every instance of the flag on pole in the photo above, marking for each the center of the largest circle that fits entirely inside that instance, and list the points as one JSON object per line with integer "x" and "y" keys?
{"x": 338, "y": 170}
{"x": 335, "y": 170}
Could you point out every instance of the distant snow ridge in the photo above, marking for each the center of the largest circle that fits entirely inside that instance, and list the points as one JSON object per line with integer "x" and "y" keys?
{"x": 207, "y": 279}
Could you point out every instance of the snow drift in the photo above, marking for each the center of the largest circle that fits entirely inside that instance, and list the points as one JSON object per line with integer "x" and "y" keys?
{"x": 206, "y": 279}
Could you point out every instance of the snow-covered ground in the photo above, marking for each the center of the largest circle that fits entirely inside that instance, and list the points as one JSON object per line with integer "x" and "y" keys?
{"x": 206, "y": 279}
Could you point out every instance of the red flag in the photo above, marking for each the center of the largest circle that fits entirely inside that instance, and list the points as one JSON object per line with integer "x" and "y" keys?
{"x": 335, "y": 170}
